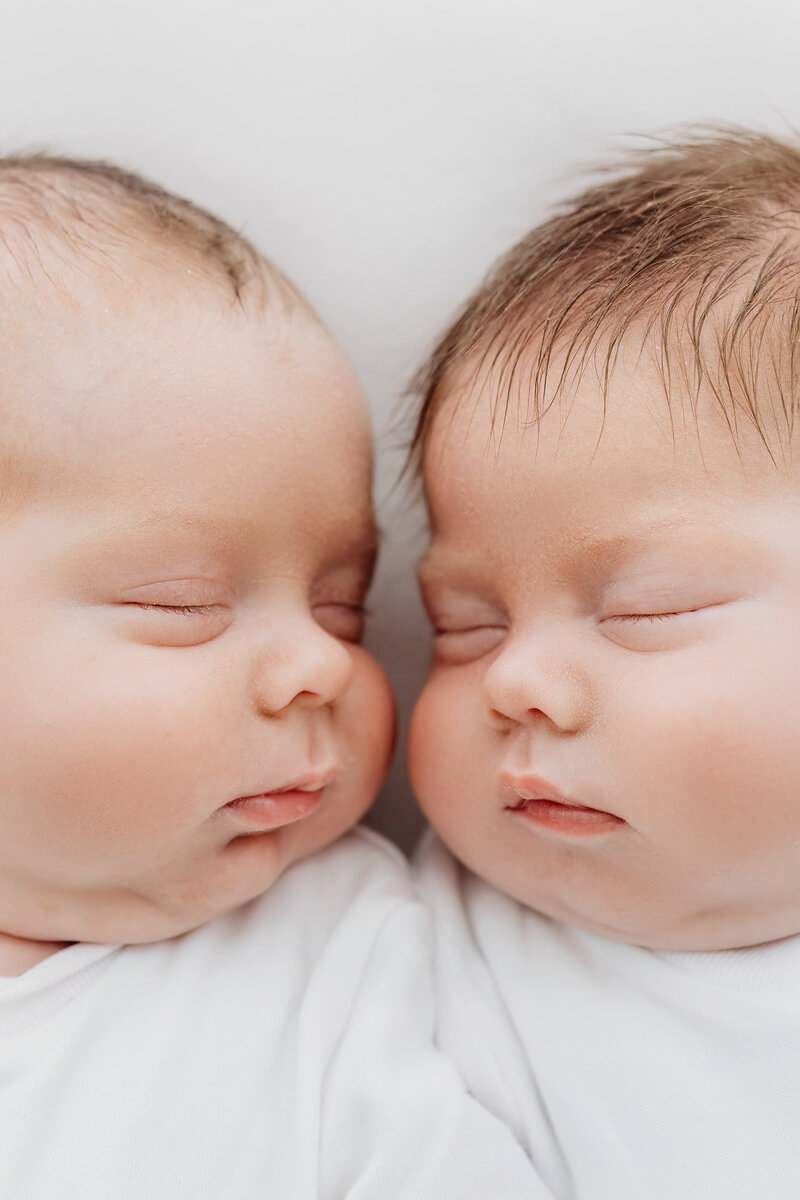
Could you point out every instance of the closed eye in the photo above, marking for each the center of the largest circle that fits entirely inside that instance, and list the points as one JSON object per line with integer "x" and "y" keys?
{"x": 341, "y": 619}
{"x": 633, "y": 618}
{"x": 663, "y": 630}
{"x": 653, "y": 617}
{"x": 175, "y": 624}
{"x": 467, "y": 644}
{"x": 185, "y": 609}
{"x": 441, "y": 631}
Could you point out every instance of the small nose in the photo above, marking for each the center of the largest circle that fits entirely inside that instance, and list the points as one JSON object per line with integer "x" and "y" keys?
{"x": 302, "y": 665}
{"x": 532, "y": 680}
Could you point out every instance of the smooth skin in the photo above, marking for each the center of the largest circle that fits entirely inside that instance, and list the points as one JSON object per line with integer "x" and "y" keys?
{"x": 609, "y": 732}
{"x": 185, "y": 566}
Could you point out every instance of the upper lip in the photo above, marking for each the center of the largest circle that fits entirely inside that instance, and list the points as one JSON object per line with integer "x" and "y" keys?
{"x": 517, "y": 787}
{"x": 311, "y": 780}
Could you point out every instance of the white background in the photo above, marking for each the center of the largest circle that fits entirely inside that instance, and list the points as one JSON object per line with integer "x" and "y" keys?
{"x": 383, "y": 153}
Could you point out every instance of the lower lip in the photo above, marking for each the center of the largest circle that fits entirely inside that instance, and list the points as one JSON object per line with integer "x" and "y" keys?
{"x": 566, "y": 819}
{"x": 271, "y": 810}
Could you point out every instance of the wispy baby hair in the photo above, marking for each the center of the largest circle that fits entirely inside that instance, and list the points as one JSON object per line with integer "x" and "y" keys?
{"x": 55, "y": 209}
{"x": 694, "y": 243}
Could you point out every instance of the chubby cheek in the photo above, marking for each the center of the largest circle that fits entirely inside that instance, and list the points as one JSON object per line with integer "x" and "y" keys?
{"x": 368, "y": 723}
{"x": 447, "y": 756}
{"x": 712, "y": 765}
{"x": 101, "y": 760}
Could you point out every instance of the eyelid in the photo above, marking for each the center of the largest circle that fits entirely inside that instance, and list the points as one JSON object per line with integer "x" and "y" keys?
{"x": 633, "y": 617}
{"x": 351, "y": 606}
{"x": 346, "y": 584}
{"x": 460, "y": 604}
{"x": 469, "y": 644}
{"x": 330, "y": 614}
{"x": 654, "y": 631}
{"x": 440, "y": 629}
{"x": 189, "y": 591}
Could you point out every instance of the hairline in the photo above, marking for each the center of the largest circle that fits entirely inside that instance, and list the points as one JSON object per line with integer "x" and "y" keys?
{"x": 746, "y": 259}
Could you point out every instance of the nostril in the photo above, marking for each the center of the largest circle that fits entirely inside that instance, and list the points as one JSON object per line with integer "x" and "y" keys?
{"x": 499, "y": 720}
{"x": 306, "y": 666}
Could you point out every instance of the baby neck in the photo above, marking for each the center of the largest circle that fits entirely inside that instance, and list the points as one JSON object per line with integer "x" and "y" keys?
{"x": 18, "y": 955}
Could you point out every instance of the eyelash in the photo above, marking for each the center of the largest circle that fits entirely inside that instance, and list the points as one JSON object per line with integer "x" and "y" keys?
{"x": 360, "y": 609}
{"x": 439, "y": 632}
{"x": 183, "y": 609}
{"x": 635, "y": 618}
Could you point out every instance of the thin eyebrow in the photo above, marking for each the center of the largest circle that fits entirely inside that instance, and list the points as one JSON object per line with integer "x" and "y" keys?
{"x": 607, "y": 551}
{"x": 189, "y": 521}
{"x": 617, "y": 548}
{"x": 366, "y": 539}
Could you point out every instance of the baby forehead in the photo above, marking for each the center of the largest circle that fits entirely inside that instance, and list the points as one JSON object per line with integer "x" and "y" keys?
{"x": 489, "y": 438}
{"x": 626, "y": 409}
{"x": 109, "y": 392}
{"x": 592, "y": 497}
{"x": 508, "y": 514}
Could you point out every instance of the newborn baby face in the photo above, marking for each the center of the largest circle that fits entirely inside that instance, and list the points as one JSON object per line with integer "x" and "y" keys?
{"x": 186, "y": 706}
{"x": 609, "y": 732}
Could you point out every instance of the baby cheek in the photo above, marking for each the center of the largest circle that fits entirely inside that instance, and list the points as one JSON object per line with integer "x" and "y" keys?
{"x": 105, "y": 755}
{"x": 444, "y": 758}
{"x": 712, "y": 763}
{"x": 419, "y": 759}
{"x": 369, "y": 719}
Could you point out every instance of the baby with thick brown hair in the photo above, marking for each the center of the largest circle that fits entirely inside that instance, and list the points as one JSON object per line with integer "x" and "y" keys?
{"x": 608, "y": 744}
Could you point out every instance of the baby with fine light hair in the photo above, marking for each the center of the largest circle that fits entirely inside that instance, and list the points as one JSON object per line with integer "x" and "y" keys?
{"x": 211, "y": 984}
{"x": 608, "y": 744}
